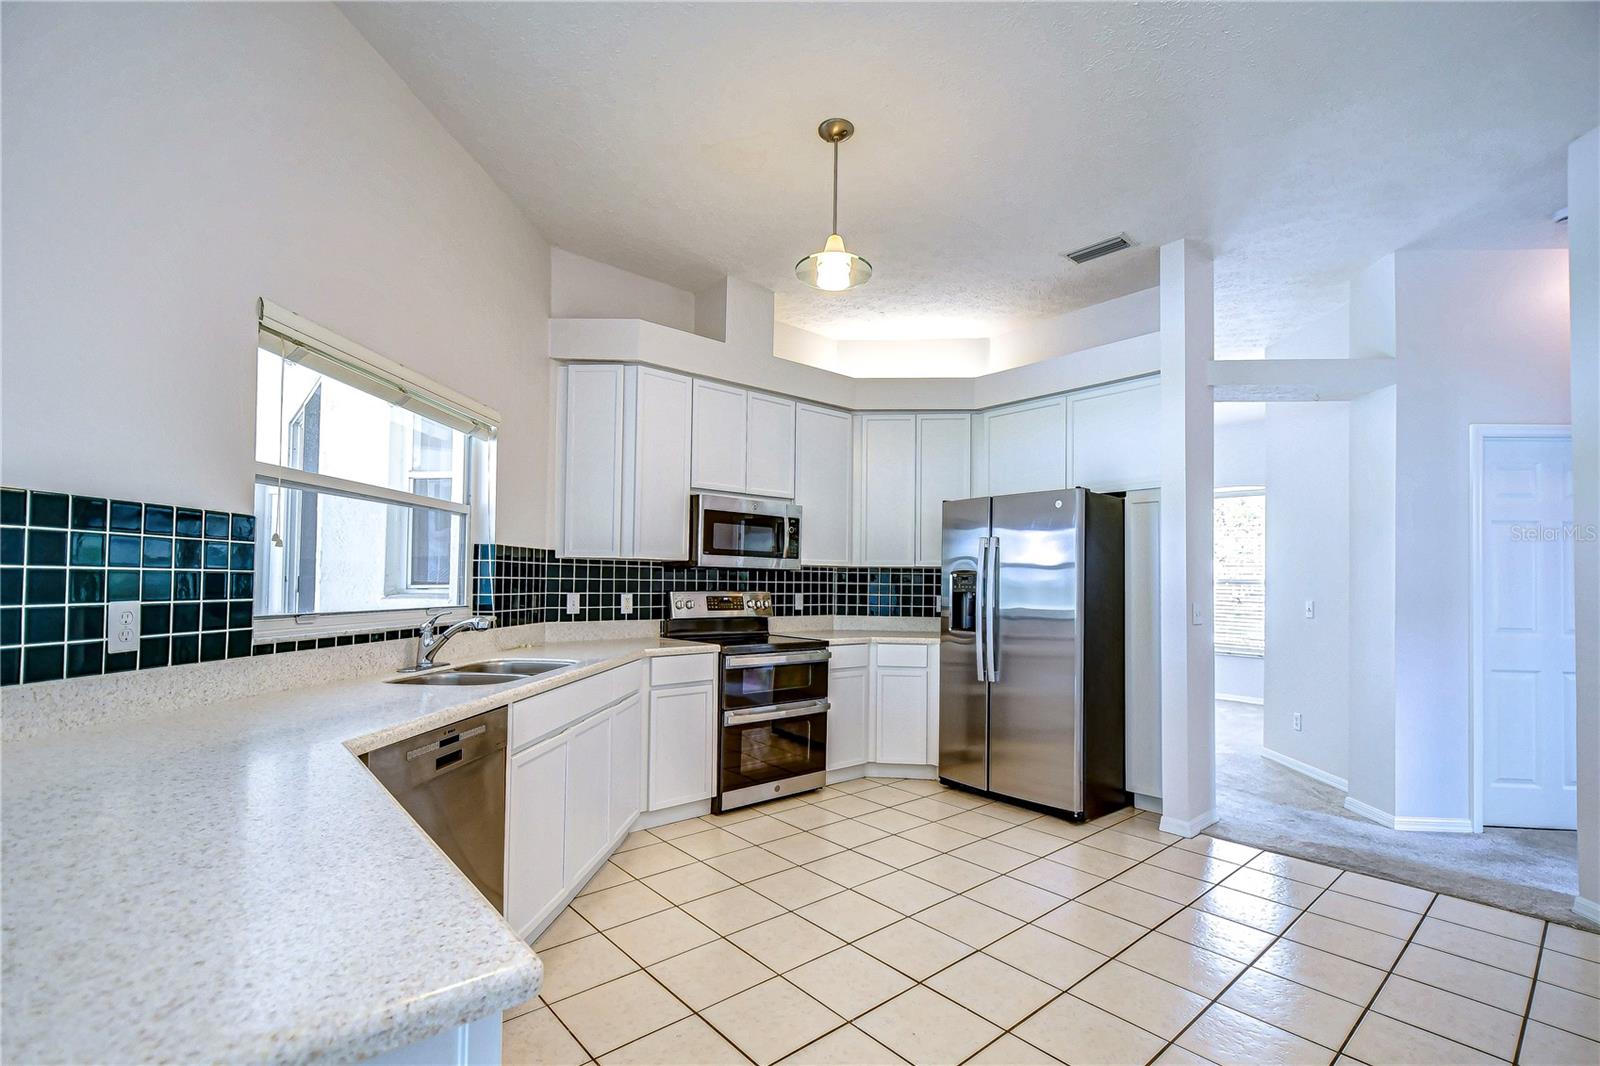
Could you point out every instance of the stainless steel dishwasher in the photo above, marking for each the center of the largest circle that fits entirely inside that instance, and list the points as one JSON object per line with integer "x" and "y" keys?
{"x": 453, "y": 782}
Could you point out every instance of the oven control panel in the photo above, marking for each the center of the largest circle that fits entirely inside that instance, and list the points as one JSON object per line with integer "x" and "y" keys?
{"x": 720, "y": 604}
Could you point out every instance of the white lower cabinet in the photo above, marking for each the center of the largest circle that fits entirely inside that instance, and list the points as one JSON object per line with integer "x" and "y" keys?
{"x": 902, "y": 704}
{"x": 588, "y": 820}
{"x": 536, "y": 817}
{"x": 627, "y": 763}
{"x": 683, "y": 731}
{"x": 884, "y": 705}
{"x": 849, "y": 697}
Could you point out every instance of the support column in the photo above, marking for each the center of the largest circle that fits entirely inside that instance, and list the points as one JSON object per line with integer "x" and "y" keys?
{"x": 1188, "y": 688}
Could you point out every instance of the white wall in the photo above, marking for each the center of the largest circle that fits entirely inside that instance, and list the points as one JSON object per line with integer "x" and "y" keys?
{"x": 586, "y": 288}
{"x": 165, "y": 165}
{"x": 1372, "y": 600}
{"x": 1325, "y": 337}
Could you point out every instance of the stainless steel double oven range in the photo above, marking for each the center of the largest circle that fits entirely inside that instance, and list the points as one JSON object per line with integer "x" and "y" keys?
{"x": 772, "y": 697}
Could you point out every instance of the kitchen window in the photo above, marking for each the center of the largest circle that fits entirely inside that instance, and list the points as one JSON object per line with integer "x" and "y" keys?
{"x": 364, "y": 478}
{"x": 1239, "y": 572}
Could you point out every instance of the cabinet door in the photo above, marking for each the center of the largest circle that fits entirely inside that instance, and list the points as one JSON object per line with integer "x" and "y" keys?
{"x": 822, "y": 484}
{"x": 1115, "y": 436}
{"x": 1026, "y": 447}
{"x": 887, "y": 500}
{"x": 535, "y": 832}
{"x": 718, "y": 451}
{"x": 588, "y": 794}
{"x": 627, "y": 763}
{"x": 591, "y": 513}
{"x": 769, "y": 451}
{"x": 847, "y": 717}
{"x": 682, "y": 745}
{"x": 901, "y": 702}
{"x": 944, "y": 472}
{"x": 660, "y": 412}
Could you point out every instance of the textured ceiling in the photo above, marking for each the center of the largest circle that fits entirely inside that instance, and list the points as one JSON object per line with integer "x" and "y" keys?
{"x": 1300, "y": 141}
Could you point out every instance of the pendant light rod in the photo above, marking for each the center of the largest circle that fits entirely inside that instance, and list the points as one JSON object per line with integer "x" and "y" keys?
{"x": 835, "y": 268}
{"x": 835, "y": 227}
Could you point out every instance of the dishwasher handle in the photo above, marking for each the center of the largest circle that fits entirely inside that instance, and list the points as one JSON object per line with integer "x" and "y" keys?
{"x": 423, "y": 758}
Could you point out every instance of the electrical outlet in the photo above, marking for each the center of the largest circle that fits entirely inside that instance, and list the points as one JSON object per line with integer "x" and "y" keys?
{"x": 627, "y": 603}
{"x": 122, "y": 627}
{"x": 572, "y": 603}
{"x": 799, "y": 602}
{"x": 1311, "y": 608}
{"x": 1297, "y": 721}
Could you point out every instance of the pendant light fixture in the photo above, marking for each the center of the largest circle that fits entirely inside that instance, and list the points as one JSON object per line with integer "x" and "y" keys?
{"x": 834, "y": 269}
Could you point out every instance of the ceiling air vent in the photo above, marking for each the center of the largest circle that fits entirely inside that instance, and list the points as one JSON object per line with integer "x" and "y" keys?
{"x": 1096, "y": 250}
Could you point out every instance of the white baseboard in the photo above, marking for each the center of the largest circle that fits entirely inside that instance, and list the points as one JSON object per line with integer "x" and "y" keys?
{"x": 1189, "y": 828}
{"x": 1369, "y": 812}
{"x": 1586, "y": 909}
{"x": 1305, "y": 768}
{"x": 1407, "y": 823}
{"x": 668, "y": 815}
{"x": 917, "y": 771}
{"x": 1147, "y": 803}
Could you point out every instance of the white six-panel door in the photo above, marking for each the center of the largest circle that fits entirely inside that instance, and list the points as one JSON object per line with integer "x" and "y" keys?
{"x": 1526, "y": 662}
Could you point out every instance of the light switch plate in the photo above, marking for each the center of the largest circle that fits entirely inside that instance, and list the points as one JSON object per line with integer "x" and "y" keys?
{"x": 1311, "y": 608}
{"x": 1297, "y": 722}
{"x": 1195, "y": 614}
{"x": 122, "y": 627}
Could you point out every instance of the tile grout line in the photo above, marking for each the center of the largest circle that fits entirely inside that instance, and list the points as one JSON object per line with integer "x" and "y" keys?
{"x": 1376, "y": 992}
{"x": 1533, "y": 987}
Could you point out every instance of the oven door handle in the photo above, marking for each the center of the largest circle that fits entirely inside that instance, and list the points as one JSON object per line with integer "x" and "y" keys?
{"x": 775, "y": 712}
{"x": 791, "y": 658}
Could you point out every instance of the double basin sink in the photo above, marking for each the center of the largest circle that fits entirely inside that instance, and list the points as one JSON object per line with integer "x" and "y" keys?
{"x": 493, "y": 672}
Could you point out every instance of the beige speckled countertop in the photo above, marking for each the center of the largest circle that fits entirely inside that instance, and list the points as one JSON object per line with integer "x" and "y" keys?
{"x": 228, "y": 883}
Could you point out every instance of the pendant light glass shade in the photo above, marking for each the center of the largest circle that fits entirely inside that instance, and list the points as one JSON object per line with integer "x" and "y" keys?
{"x": 833, "y": 269}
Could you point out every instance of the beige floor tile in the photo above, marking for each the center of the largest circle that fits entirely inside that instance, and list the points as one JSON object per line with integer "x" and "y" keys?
{"x": 1173, "y": 1055}
{"x": 845, "y": 1046}
{"x": 1078, "y": 1032}
{"x": 991, "y": 855}
{"x": 1544, "y": 1045}
{"x": 1568, "y": 971}
{"x": 1365, "y": 913}
{"x": 1290, "y": 893}
{"x": 849, "y": 915}
{"x": 1105, "y": 933}
{"x": 1016, "y": 898}
{"x": 1382, "y": 1040}
{"x": 618, "y": 1012}
{"x": 637, "y": 839}
{"x": 916, "y": 950}
{"x": 711, "y": 843}
{"x": 803, "y": 848}
{"x": 1380, "y": 891}
{"x": 727, "y": 818}
{"x": 1292, "y": 1007}
{"x": 850, "y": 806}
{"x": 710, "y": 973}
{"x": 1011, "y": 1051}
{"x": 568, "y": 926}
{"x": 928, "y": 807}
{"x": 1475, "y": 980}
{"x": 1489, "y": 919}
{"x": 887, "y": 795}
{"x": 733, "y": 909}
{"x": 921, "y": 787}
{"x": 1476, "y": 944}
{"x": 689, "y": 1042}
{"x": 849, "y": 868}
{"x": 689, "y": 882}
{"x": 652, "y": 859}
{"x": 527, "y": 1006}
{"x": 1149, "y": 829}
{"x": 939, "y": 836}
{"x": 1025, "y": 838}
{"x": 947, "y": 871}
{"x": 1246, "y": 909}
{"x": 967, "y": 801}
{"x": 1040, "y": 953}
{"x": 580, "y": 965}
{"x": 1192, "y": 863}
{"x": 1147, "y": 1001}
{"x": 1092, "y": 860}
{"x": 660, "y": 936}
{"x": 1130, "y": 903}
{"x": 1205, "y": 930}
{"x": 794, "y": 888}
{"x": 979, "y": 824}
{"x": 537, "y": 1039}
{"x": 762, "y": 829}
{"x": 990, "y": 988}
{"x": 784, "y": 942}
{"x": 1120, "y": 843}
{"x": 903, "y": 892}
{"x": 1180, "y": 888}
{"x": 1566, "y": 1009}
{"x": 897, "y": 851}
{"x": 925, "y": 1028}
{"x": 1016, "y": 815}
{"x": 611, "y": 875}
{"x": 812, "y": 817}
{"x": 1200, "y": 971}
{"x": 771, "y": 1020}
{"x": 1226, "y": 850}
{"x": 1312, "y": 873}
{"x": 892, "y": 820}
{"x": 1348, "y": 941}
{"x": 749, "y": 864}
{"x": 1064, "y": 881}
{"x": 1223, "y": 1034}
{"x": 1569, "y": 941}
{"x": 969, "y": 921}
{"x": 1446, "y": 1014}
{"x": 850, "y": 833}
{"x": 687, "y": 827}
{"x": 857, "y": 784}
{"x": 848, "y": 981}
{"x": 1351, "y": 981}
{"x": 790, "y": 803}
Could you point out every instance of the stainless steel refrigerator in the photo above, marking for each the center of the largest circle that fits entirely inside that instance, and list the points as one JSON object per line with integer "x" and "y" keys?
{"x": 1031, "y": 674}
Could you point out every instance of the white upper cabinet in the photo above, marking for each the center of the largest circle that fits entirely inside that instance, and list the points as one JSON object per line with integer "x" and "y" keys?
{"x": 886, "y": 497}
{"x": 592, "y": 460}
{"x": 944, "y": 472}
{"x": 1115, "y": 436}
{"x": 822, "y": 462}
{"x": 1022, "y": 448}
{"x": 659, "y": 412}
{"x": 719, "y": 438}
{"x": 769, "y": 436}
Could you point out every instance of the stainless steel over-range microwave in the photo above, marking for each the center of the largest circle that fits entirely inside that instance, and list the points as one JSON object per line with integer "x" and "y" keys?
{"x": 743, "y": 531}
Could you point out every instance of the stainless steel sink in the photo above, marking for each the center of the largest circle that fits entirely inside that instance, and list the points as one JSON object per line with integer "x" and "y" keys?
{"x": 520, "y": 667}
{"x": 458, "y": 677}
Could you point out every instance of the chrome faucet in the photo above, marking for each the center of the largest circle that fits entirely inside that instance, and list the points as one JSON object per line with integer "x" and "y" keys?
{"x": 430, "y": 640}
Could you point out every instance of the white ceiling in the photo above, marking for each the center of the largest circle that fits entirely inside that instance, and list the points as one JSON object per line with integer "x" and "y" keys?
{"x": 1301, "y": 141}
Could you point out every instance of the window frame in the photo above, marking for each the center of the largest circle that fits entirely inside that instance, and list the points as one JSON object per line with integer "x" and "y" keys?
{"x": 1237, "y": 650}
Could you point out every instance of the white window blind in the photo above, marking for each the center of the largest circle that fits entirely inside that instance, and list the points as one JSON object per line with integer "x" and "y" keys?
{"x": 1239, "y": 573}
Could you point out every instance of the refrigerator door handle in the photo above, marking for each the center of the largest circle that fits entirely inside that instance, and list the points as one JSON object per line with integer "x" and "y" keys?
{"x": 992, "y": 594}
{"x": 980, "y": 635}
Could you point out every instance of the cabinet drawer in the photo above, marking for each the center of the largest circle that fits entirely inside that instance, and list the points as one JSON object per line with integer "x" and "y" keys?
{"x": 549, "y": 712}
{"x": 848, "y": 656}
{"x": 682, "y": 669}
{"x": 902, "y": 655}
